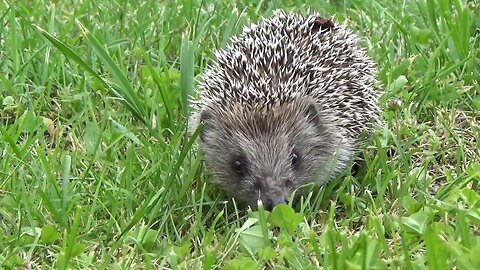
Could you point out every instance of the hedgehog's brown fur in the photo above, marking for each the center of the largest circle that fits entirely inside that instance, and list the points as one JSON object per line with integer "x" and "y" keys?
{"x": 284, "y": 105}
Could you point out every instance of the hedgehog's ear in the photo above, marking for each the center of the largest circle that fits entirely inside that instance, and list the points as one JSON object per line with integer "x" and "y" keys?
{"x": 205, "y": 119}
{"x": 312, "y": 114}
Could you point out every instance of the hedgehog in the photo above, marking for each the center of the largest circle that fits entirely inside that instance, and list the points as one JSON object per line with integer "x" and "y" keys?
{"x": 284, "y": 105}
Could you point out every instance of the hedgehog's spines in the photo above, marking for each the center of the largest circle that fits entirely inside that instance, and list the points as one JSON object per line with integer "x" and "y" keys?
{"x": 258, "y": 98}
{"x": 289, "y": 56}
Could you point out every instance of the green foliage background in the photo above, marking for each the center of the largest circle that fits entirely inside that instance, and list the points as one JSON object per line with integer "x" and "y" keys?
{"x": 96, "y": 170}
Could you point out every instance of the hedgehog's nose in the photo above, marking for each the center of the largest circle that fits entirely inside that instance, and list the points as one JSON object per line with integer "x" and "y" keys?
{"x": 271, "y": 202}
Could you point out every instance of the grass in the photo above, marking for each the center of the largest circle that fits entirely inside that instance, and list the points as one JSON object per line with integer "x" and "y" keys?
{"x": 96, "y": 170}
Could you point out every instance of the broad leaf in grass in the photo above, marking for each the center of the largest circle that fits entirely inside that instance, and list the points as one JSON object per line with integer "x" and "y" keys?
{"x": 471, "y": 197}
{"x": 397, "y": 85}
{"x": 252, "y": 239}
{"x": 416, "y": 222}
{"x": 284, "y": 217}
{"x": 436, "y": 252}
{"x": 91, "y": 136}
{"x": 242, "y": 263}
{"x": 77, "y": 249}
{"x": 209, "y": 259}
{"x": 49, "y": 234}
{"x": 30, "y": 122}
{"x": 267, "y": 253}
{"x": 473, "y": 256}
{"x": 251, "y": 236}
{"x": 474, "y": 171}
{"x": 147, "y": 237}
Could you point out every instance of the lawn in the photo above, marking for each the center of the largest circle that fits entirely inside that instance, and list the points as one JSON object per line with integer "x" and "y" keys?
{"x": 97, "y": 171}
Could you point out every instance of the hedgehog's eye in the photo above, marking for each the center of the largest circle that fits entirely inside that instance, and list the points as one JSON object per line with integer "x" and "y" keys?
{"x": 288, "y": 183}
{"x": 295, "y": 160}
{"x": 239, "y": 166}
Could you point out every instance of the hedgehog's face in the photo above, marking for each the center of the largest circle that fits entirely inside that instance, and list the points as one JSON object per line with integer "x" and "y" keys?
{"x": 265, "y": 154}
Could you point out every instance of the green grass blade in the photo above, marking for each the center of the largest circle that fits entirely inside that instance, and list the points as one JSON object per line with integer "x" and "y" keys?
{"x": 70, "y": 54}
{"x": 117, "y": 92}
{"x": 125, "y": 90}
{"x": 67, "y": 163}
{"x": 163, "y": 93}
{"x": 186, "y": 71}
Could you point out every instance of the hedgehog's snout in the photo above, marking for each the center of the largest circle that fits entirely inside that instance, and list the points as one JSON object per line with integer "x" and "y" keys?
{"x": 274, "y": 194}
{"x": 272, "y": 201}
